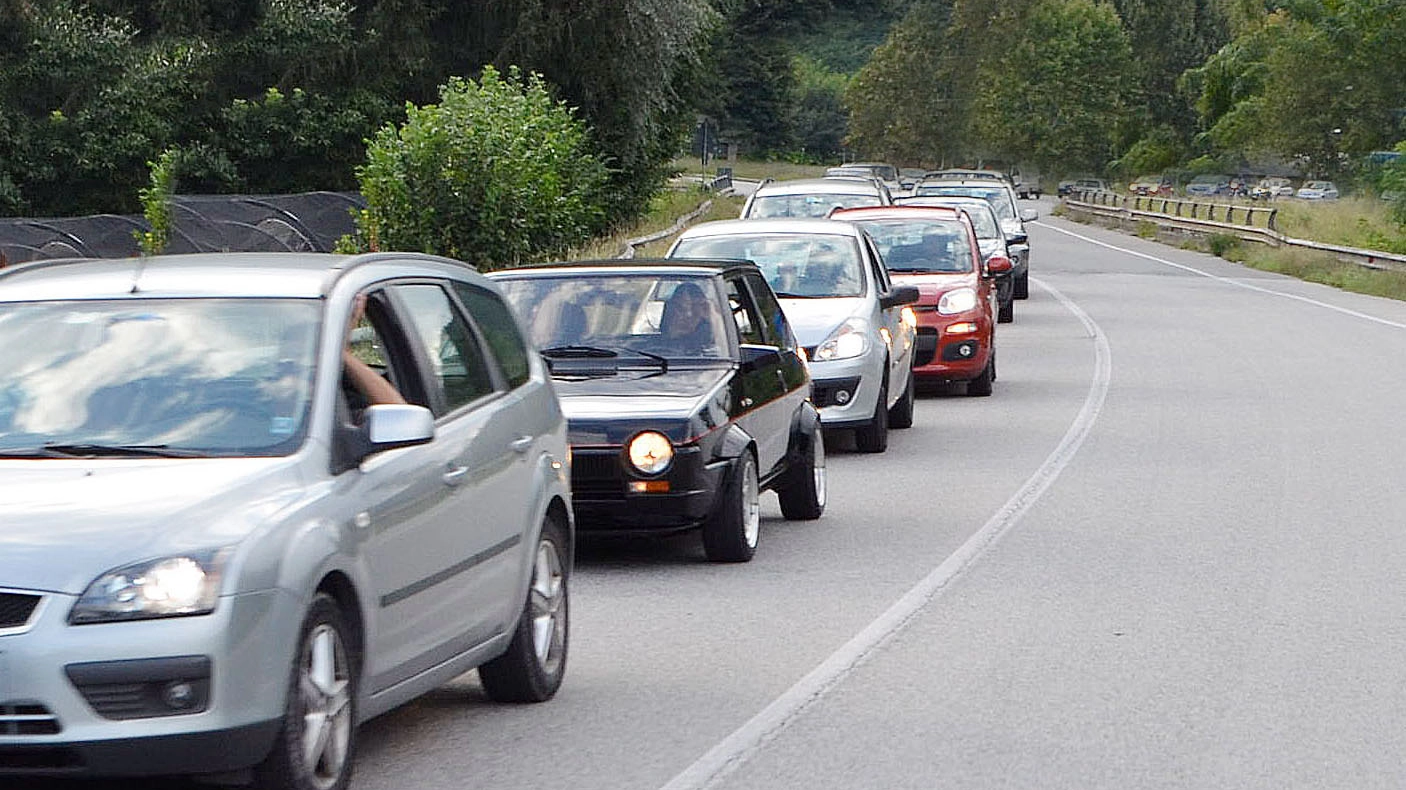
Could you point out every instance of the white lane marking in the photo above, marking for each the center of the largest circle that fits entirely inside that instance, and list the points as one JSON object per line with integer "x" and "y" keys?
{"x": 1228, "y": 280}
{"x": 734, "y": 750}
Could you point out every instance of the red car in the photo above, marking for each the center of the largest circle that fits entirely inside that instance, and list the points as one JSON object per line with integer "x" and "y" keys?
{"x": 935, "y": 249}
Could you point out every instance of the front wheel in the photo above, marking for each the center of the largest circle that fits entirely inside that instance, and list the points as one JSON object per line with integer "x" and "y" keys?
{"x": 532, "y": 668}
{"x": 901, "y": 415}
{"x": 731, "y": 535}
{"x": 314, "y": 748}
{"x": 981, "y": 385}
{"x": 803, "y": 493}
{"x": 874, "y": 437}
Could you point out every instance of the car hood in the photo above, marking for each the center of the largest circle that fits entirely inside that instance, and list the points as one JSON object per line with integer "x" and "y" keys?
{"x": 609, "y": 409}
{"x": 814, "y": 319}
{"x": 933, "y": 286}
{"x": 66, "y": 522}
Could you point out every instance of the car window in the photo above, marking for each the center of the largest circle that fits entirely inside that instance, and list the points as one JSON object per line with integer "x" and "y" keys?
{"x": 808, "y": 205}
{"x": 500, "y": 328}
{"x": 744, "y": 315}
{"x": 799, "y": 265}
{"x": 775, "y": 330}
{"x": 921, "y": 245}
{"x": 227, "y": 377}
{"x": 458, "y": 367}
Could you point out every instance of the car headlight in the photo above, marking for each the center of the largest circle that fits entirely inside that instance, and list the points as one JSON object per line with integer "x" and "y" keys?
{"x": 958, "y": 300}
{"x": 166, "y": 587}
{"x": 650, "y": 452}
{"x": 850, "y": 339}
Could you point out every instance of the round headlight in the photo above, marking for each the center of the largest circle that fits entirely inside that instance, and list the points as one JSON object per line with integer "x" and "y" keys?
{"x": 650, "y": 452}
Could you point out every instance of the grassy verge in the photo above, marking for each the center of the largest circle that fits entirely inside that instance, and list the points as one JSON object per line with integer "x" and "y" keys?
{"x": 1319, "y": 267}
{"x": 1351, "y": 222}
{"x": 664, "y": 210}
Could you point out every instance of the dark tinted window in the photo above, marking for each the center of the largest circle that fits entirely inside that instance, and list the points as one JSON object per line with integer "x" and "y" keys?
{"x": 457, "y": 363}
{"x": 500, "y": 329}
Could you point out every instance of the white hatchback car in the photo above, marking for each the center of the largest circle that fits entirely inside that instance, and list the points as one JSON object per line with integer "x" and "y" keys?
{"x": 848, "y": 315}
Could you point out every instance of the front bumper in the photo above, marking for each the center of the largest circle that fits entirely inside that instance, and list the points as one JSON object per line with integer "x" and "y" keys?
{"x": 859, "y": 376}
{"x": 941, "y": 356}
{"x": 88, "y": 700}
{"x": 604, "y": 502}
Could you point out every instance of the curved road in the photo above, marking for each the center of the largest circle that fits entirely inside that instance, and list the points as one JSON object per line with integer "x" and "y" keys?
{"x": 1167, "y": 552}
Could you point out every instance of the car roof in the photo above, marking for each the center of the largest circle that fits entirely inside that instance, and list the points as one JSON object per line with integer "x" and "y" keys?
{"x": 674, "y": 267}
{"x": 803, "y": 186}
{"x": 220, "y": 274}
{"x": 900, "y": 212}
{"x": 752, "y": 227}
{"x": 938, "y": 201}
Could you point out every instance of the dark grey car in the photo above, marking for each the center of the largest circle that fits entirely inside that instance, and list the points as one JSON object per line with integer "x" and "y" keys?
{"x": 251, "y": 500}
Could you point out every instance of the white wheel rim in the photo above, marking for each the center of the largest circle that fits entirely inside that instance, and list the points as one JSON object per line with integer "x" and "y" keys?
{"x": 324, "y": 688}
{"x": 818, "y": 470}
{"x": 548, "y": 607}
{"x": 751, "y": 506}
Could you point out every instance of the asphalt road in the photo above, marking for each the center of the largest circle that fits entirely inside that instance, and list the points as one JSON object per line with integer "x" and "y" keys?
{"x": 1166, "y": 552}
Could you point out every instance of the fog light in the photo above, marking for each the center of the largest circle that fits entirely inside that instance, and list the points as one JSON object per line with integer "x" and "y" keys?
{"x": 842, "y": 397}
{"x": 178, "y": 695}
{"x": 965, "y": 350}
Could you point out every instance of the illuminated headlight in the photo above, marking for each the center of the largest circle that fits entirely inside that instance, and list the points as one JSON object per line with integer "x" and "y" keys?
{"x": 165, "y": 587}
{"x": 851, "y": 339}
{"x": 958, "y": 300}
{"x": 650, "y": 452}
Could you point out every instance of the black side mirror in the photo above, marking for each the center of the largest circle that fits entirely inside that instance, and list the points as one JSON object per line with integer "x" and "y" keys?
{"x": 755, "y": 356}
{"x": 900, "y": 295}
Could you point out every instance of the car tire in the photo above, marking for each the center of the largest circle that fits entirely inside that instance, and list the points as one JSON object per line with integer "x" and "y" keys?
{"x": 803, "y": 492}
{"x": 532, "y": 668}
{"x": 1005, "y": 313}
{"x": 1021, "y": 289}
{"x": 733, "y": 532}
{"x": 874, "y": 437}
{"x": 981, "y": 385}
{"x": 901, "y": 415}
{"x": 321, "y": 706}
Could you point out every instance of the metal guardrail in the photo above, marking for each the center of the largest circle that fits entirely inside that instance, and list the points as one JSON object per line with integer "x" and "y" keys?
{"x": 1198, "y": 217}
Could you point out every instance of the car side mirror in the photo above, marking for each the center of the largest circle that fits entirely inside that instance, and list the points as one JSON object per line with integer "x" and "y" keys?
{"x": 998, "y": 264}
{"x": 754, "y": 356}
{"x": 1029, "y": 215}
{"x": 388, "y": 426}
{"x": 900, "y": 295}
{"x": 1017, "y": 238}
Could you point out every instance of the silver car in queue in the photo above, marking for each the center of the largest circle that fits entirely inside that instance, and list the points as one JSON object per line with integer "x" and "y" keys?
{"x": 850, "y": 318}
{"x": 219, "y": 556}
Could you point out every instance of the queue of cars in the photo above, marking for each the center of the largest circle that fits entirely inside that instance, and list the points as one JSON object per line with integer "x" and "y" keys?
{"x": 255, "y": 499}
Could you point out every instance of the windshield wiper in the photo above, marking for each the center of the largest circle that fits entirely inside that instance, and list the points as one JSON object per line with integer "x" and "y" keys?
{"x": 582, "y": 352}
{"x": 662, "y": 361}
{"x": 57, "y": 450}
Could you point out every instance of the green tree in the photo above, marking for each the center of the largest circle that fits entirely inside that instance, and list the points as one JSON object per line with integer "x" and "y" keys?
{"x": 496, "y": 174}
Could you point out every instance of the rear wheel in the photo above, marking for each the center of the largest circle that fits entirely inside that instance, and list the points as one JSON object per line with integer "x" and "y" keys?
{"x": 314, "y": 748}
{"x": 731, "y": 535}
{"x": 1022, "y": 286}
{"x": 874, "y": 437}
{"x": 532, "y": 668}
{"x": 1005, "y": 313}
{"x": 802, "y": 495}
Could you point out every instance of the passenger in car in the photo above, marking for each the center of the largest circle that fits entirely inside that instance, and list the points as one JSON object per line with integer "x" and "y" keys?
{"x": 366, "y": 380}
{"x": 686, "y": 322}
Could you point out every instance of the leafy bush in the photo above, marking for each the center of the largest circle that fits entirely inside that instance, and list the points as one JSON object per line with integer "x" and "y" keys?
{"x": 497, "y": 174}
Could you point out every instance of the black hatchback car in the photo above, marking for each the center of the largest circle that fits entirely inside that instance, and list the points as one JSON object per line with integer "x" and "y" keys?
{"x": 685, "y": 393}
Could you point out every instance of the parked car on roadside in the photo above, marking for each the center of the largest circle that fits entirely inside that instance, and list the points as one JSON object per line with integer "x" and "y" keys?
{"x": 813, "y": 197}
{"x": 685, "y": 393}
{"x": 1155, "y": 185}
{"x": 847, "y": 313}
{"x": 1072, "y": 185}
{"x": 1209, "y": 185}
{"x": 989, "y": 238}
{"x": 252, "y": 500}
{"x": 1317, "y": 190}
{"x": 1272, "y": 187}
{"x": 934, "y": 248}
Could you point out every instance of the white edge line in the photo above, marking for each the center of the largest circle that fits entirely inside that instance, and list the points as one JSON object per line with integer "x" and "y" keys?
{"x": 1227, "y": 280}
{"x": 736, "y": 749}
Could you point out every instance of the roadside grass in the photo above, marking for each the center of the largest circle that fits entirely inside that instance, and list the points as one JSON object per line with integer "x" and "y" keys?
{"x": 1352, "y": 222}
{"x": 1321, "y": 267}
{"x": 664, "y": 210}
{"x": 724, "y": 207}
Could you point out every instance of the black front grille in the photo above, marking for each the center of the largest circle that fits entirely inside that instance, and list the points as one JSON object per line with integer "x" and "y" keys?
{"x": 15, "y": 608}
{"x": 925, "y": 346}
{"x": 27, "y": 718}
{"x": 597, "y": 474}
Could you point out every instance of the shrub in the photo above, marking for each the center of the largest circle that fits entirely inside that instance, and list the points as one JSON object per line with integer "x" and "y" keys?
{"x": 497, "y": 174}
{"x": 1146, "y": 229}
{"x": 1221, "y": 243}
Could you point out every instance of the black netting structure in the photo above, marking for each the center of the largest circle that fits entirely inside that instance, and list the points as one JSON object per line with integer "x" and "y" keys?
{"x": 307, "y": 222}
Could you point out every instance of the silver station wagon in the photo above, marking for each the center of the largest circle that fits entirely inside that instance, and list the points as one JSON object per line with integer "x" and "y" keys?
{"x": 248, "y": 501}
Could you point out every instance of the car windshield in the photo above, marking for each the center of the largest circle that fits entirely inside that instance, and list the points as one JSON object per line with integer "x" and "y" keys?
{"x": 983, "y": 217}
{"x": 814, "y": 204}
{"x": 921, "y": 245}
{"x": 621, "y": 316}
{"x": 809, "y": 265}
{"x": 219, "y": 377}
{"x": 997, "y": 196}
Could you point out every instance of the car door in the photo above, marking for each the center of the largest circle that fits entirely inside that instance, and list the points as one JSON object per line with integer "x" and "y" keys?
{"x": 788, "y": 367}
{"x": 899, "y": 335}
{"x": 443, "y": 578}
{"x": 759, "y": 384}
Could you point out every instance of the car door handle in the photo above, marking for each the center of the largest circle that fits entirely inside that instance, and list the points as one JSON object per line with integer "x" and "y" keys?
{"x": 455, "y": 475}
{"x": 521, "y": 444}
